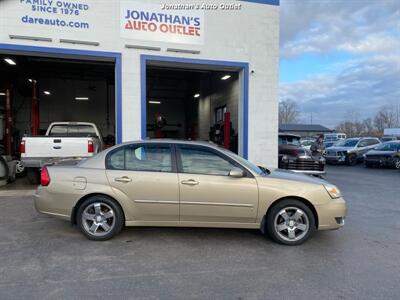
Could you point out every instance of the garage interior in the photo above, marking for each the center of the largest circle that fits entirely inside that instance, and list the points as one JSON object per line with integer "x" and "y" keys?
{"x": 48, "y": 89}
{"x": 193, "y": 104}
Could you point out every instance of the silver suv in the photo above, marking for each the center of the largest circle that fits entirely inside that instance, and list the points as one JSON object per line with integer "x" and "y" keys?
{"x": 350, "y": 151}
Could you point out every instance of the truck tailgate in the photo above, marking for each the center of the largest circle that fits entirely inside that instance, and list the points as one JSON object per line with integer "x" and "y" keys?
{"x": 56, "y": 147}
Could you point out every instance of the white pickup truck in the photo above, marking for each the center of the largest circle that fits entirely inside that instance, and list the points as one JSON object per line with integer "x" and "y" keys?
{"x": 63, "y": 141}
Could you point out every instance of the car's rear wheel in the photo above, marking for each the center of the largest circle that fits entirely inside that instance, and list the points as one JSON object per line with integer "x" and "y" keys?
{"x": 290, "y": 222}
{"x": 99, "y": 218}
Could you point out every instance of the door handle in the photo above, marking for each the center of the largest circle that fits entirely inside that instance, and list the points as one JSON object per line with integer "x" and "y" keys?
{"x": 123, "y": 179}
{"x": 190, "y": 182}
{"x": 57, "y": 147}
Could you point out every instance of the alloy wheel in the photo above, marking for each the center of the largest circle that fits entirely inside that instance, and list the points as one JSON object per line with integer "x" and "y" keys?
{"x": 397, "y": 163}
{"x": 19, "y": 167}
{"x": 291, "y": 224}
{"x": 98, "y": 219}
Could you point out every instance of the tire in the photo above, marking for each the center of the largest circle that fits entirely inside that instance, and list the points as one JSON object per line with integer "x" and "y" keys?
{"x": 351, "y": 160}
{"x": 99, "y": 218}
{"x": 20, "y": 169}
{"x": 297, "y": 212}
{"x": 396, "y": 163}
{"x": 33, "y": 175}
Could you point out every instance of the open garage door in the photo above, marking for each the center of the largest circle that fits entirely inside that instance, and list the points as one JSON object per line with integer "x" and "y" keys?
{"x": 192, "y": 103}
{"x": 47, "y": 89}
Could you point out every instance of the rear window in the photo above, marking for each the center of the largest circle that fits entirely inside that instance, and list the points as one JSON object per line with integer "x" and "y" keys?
{"x": 72, "y": 131}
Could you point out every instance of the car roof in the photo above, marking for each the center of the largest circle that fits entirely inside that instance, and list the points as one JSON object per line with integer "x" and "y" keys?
{"x": 392, "y": 142}
{"x": 171, "y": 141}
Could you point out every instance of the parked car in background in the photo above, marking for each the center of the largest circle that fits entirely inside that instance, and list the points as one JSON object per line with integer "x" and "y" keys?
{"x": 186, "y": 184}
{"x": 384, "y": 155}
{"x": 306, "y": 143}
{"x": 329, "y": 144}
{"x": 389, "y": 138}
{"x": 63, "y": 140}
{"x": 292, "y": 156}
{"x": 334, "y": 137}
{"x": 350, "y": 151}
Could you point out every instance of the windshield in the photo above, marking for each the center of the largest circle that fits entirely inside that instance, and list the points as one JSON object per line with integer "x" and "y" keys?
{"x": 243, "y": 161}
{"x": 289, "y": 140}
{"x": 307, "y": 143}
{"x": 347, "y": 143}
{"x": 388, "y": 147}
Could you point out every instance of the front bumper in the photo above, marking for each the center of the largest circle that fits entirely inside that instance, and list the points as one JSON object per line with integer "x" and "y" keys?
{"x": 381, "y": 161}
{"x": 332, "y": 214}
{"x": 335, "y": 158}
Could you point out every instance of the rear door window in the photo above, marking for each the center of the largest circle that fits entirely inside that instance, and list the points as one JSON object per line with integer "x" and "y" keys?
{"x": 148, "y": 158}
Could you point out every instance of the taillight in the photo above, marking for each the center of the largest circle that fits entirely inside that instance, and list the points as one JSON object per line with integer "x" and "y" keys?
{"x": 44, "y": 177}
{"x": 22, "y": 147}
{"x": 90, "y": 147}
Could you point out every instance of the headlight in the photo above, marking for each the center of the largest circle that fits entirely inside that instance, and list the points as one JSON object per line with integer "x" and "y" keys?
{"x": 333, "y": 191}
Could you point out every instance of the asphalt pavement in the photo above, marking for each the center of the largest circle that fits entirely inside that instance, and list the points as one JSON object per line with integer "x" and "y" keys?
{"x": 46, "y": 258}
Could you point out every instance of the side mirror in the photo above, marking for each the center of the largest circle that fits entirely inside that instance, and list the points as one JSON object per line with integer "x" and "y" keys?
{"x": 236, "y": 173}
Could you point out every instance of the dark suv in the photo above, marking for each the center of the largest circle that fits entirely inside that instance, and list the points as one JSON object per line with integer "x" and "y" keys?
{"x": 292, "y": 156}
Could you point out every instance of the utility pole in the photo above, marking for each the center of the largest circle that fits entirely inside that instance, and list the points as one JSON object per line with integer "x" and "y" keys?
{"x": 311, "y": 118}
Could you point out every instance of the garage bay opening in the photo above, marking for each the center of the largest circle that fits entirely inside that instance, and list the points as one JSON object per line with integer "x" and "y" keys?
{"x": 193, "y": 103}
{"x": 76, "y": 92}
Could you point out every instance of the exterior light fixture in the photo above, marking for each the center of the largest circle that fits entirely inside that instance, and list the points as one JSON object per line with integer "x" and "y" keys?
{"x": 46, "y": 93}
{"x": 10, "y": 61}
{"x": 196, "y": 95}
{"x": 154, "y": 102}
{"x": 225, "y": 77}
{"x": 2, "y": 94}
{"x": 30, "y": 80}
{"x": 82, "y": 98}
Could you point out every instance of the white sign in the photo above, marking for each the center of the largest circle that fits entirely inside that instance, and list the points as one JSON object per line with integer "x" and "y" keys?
{"x": 152, "y": 22}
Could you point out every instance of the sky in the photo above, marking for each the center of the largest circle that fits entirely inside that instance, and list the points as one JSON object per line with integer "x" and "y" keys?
{"x": 339, "y": 57}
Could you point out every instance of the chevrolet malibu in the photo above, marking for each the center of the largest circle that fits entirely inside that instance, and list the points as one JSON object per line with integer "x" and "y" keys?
{"x": 186, "y": 184}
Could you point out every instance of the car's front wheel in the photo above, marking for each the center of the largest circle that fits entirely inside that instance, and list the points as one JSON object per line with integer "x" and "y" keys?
{"x": 99, "y": 218}
{"x": 351, "y": 160}
{"x": 290, "y": 222}
{"x": 396, "y": 163}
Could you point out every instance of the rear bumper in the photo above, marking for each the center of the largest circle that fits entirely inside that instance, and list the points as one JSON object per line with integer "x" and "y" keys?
{"x": 38, "y": 162}
{"x": 331, "y": 215}
{"x": 45, "y": 204}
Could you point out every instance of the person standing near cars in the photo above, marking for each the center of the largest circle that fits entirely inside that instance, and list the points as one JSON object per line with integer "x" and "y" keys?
{"x": 318, "y": 147}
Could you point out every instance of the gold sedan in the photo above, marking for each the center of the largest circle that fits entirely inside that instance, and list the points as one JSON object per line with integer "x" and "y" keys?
{"x": 186, "y": 184}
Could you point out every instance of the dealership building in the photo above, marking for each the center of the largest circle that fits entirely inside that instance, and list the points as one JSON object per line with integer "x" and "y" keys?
{"x": 198, "y": 70}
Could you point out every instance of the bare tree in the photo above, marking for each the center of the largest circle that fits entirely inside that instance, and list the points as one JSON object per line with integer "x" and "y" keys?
{"x": 288, "y": 112}
{"x": 386, "y": 117}
{"x": 369, "y": 128}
